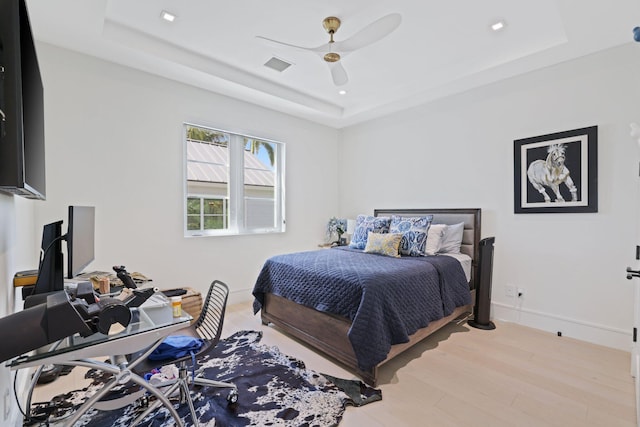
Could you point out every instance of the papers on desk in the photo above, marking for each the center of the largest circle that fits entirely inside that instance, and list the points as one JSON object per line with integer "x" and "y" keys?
{"x": 116, "y": 328}
{"x": 158, "y": 308}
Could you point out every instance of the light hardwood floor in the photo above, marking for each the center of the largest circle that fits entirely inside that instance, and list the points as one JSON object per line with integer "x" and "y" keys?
{"x": 461, "y": 376}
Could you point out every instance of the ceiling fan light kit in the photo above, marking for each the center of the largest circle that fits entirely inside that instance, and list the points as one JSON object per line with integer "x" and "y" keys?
{"x": 331, "y": 57}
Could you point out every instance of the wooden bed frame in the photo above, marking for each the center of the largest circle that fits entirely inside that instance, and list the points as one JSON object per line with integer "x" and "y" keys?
{"x": 328, "y": 333}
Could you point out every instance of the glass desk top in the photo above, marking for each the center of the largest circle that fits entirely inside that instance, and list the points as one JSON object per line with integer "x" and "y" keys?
{"x": 144, "y": 330}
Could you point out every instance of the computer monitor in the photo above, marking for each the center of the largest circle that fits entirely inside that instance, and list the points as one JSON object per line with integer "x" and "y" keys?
{"x": 80, "y": 239}
{"x": 50, "y": 274}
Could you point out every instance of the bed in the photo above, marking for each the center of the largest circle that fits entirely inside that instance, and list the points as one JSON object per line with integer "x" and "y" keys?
{"x": 339, "y": 326}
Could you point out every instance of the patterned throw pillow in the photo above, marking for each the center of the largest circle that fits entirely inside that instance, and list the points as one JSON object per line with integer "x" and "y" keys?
{"x": 414, "y": 233}
{"x": 383, "y": 244}
{"x": 365, "y": 224}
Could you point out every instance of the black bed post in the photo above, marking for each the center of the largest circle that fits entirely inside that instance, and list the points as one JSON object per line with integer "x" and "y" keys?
{"x": 482, "y": 308}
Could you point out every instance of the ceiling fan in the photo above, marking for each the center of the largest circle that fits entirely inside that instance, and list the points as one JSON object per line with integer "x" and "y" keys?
{"x": 333, "y": 51}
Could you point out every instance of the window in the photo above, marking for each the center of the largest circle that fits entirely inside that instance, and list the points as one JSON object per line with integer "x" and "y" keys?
{"x": 234, "y": 183}
{"x": 206, "y": 213}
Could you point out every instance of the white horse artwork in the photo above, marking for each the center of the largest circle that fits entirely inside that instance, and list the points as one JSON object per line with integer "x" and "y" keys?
{"x": 551, "y": 173}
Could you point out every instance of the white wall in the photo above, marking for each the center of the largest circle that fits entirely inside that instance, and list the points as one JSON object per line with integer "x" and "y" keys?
{"x": 17, "y": 252}
{"x": 114, "y": 141}
{"x": 458, "y": 152}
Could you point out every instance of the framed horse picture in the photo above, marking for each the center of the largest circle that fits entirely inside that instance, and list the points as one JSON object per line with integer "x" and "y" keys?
{"x": 557, "y": 173}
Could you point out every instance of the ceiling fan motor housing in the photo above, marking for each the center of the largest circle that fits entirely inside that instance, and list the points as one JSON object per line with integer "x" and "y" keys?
{"x": 331, "y": 24}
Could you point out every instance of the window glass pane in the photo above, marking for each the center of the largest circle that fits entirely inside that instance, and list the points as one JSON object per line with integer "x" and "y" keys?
{"x": 193, "y": 206}
{"x": 213, "y": 206}
{"x": 207, "y": 171}
{"x": 213, "y": 222}
{"x": 259, "y": 183}
{"x": 215, "y": 214}
{"x": 193, "y": 222}
{"x": 259, "y": 213}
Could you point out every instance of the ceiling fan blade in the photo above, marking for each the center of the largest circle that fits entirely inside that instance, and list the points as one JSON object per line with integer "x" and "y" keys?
{"x": 370, "y": 34}
{"x": 338, "y": 73}
{"x": 320, "y": 48}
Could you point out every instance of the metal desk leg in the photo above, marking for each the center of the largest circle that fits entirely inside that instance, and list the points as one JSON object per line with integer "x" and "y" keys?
{"x": 34, "y": 381}
{"x": 121, "y": 375}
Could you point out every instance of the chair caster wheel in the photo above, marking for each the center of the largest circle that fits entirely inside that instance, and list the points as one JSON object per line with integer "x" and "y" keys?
{"x": 142, "y": 403}
{"x": 232, "y": 397}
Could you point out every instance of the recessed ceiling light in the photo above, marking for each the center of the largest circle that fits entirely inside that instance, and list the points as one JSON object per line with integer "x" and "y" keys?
{"x": 342, "y": 92}
{"x": 167, "y": 16}
{"x": 498, "y": 25}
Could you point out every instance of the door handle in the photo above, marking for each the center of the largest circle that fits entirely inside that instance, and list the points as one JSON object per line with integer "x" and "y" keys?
{"x": 632, "y": 273}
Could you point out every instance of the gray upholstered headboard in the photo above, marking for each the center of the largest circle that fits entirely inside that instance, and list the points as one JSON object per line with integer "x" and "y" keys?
{"x": 470, "y": 238}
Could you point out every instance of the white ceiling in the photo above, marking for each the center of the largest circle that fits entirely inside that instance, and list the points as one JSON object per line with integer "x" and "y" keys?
{"x": 440, "y": 47}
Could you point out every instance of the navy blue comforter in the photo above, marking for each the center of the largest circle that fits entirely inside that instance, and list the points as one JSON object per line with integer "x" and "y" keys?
{"x": 387, "y": 299}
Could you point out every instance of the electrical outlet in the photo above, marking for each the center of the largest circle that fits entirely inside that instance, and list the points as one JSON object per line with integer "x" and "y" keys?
{"x": 510, "y": 291}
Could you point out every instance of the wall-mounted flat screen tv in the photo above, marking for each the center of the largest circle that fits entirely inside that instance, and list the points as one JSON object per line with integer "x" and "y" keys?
{"x": 22, "y": 156}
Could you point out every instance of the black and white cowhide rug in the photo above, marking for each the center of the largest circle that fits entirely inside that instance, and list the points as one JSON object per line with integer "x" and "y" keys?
{"x": 274, "y": 390}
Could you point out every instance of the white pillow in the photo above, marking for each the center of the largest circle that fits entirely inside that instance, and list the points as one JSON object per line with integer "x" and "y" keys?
{"x": 452, "y": 239}
{"x": 434, "y": 237}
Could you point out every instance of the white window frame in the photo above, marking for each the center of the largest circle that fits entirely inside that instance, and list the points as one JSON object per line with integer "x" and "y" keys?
{"x": 236, "y": 196}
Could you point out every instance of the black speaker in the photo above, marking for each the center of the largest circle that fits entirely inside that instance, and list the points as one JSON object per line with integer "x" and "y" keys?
{"x": 482, "y": 309}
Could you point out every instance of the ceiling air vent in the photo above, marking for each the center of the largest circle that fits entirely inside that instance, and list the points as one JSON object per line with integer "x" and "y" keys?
{"x": 277, "y": 64}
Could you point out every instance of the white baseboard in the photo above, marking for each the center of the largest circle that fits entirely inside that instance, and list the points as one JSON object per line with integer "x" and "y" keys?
{"x": 239, "y": 296}
{"x": 578, "y": 329}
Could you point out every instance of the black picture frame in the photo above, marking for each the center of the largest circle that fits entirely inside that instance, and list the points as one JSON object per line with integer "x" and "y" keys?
{"x": 534, "y": 169}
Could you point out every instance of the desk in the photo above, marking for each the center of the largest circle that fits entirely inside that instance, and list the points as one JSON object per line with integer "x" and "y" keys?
{"x": 141, "y": 333}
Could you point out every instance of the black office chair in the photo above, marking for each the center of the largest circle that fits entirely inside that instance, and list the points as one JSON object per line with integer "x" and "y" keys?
{"x": 208, "y": 327}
